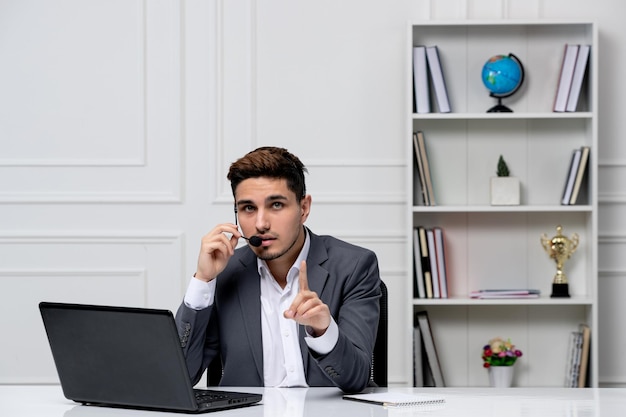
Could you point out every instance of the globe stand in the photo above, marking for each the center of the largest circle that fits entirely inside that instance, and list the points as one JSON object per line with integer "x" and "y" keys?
{"x": 499, "y": 108}
{"x": 489, "y": 73}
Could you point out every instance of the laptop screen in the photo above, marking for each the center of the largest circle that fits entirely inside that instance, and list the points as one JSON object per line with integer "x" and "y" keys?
{"x": 129, "y": 357}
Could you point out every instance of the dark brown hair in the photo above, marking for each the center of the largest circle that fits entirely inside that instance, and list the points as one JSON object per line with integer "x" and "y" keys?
{"x": 269, "y": 162}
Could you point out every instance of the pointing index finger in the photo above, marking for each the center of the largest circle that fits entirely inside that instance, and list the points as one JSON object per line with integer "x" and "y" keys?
{"x": 304, "y": 282}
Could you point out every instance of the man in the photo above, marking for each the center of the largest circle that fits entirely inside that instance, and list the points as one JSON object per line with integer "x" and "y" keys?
{"x": 295, "y": 309}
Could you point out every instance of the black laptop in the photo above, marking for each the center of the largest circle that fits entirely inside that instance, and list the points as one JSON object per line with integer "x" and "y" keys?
{"x": 127, "y": 357}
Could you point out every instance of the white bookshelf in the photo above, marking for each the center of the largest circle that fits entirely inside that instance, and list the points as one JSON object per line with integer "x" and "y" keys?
{"x": 499, "y": 246}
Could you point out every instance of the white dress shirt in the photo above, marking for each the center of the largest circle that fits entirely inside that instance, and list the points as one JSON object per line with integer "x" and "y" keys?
{"x": 282, "y": 359}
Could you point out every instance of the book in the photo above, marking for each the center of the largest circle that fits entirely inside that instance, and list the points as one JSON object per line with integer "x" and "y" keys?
{"x": 437, "y": 78}
{"x": 441, "y": 261}
{"x": 398, "y": 399}
{"x": 420, "y": 170}
{"x": 418, "y": 358}
{"x": 580, "y": 173}
{"x": 505, "y": 293}
{"x": 585, "y": 331}
{"x": 434, "y": 269}
{"x": 429, "y": 347}
{"x": 572, "y": 352}
{"x": 580, "y": 70}
{"x": 417, "y": 258}
{"x": 421, "y": 143}
{"x": 571, "y": 177}
{"x": 420, "y": 80}
{"x": 425, "y": 261}
{"x": 565, "y": 78}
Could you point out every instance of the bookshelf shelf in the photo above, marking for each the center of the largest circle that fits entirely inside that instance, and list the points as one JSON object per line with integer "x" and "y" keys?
{"x": 503, "y": 209}
{"x": 469, "y": 302}
{"x": 501, "y": 116}
{"x": 490, "y": 246}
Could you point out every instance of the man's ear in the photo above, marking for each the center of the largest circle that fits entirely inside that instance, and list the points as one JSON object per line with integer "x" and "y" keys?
{"x": 305, "y": 207}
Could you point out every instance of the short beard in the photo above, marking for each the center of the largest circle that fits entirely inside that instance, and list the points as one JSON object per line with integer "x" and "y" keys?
{"x": 271, "y": 256}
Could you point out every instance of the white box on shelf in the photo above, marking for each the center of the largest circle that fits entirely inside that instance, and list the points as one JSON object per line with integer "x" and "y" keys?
{"x": 505, "y": 191}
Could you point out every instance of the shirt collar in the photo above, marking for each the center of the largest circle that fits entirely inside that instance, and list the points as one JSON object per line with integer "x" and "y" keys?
{"x": 295, "y": 268}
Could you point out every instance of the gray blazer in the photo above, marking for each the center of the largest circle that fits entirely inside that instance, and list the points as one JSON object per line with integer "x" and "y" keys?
{"x": 344, "y": 276}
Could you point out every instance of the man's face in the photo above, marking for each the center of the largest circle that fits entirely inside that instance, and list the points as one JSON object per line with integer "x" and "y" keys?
{"x": 268, "y": 209}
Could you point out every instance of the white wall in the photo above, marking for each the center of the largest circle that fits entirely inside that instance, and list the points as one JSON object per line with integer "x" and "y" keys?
{"x": 119, "y": 118}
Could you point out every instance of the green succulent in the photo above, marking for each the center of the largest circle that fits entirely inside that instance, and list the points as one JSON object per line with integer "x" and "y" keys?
{"x": 503, "y": 169}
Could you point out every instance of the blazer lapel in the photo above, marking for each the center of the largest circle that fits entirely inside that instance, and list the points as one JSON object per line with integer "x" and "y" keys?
{"x": 317, "y": 277}
{"x": 250, "y": 302}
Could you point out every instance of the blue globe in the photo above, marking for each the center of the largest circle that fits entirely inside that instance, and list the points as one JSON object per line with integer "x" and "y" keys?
{"x": 502, "y": 75}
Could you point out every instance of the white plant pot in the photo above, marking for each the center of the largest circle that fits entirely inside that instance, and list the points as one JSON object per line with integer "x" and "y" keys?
{"x": 505, "y": 191}
{"x": 501, "y": 376}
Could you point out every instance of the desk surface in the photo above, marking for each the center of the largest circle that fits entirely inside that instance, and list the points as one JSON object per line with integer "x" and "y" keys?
{"x": 48, "y": 401}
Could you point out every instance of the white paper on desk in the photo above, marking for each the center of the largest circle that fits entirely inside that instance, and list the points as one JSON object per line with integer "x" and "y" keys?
{"x": 397, "y": 399}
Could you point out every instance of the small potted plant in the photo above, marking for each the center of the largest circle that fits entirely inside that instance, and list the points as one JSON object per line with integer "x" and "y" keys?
{"x": 505, "y": 189}
{"x": 499, "y": 356}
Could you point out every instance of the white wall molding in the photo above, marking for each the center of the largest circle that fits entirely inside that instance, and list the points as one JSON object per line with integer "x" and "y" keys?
{"x": 611, "y": 238}
{"x": 90, "y": 150}
{"x": 612, "y": 273}
{"x": 141, "y": 197}
{"x": 153, "y": 237}
{"x": 611, "y": 198}
{"x": 235, "y": 85}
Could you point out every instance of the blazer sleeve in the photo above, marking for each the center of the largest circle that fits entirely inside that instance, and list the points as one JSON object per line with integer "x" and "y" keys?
{"x": 352, "y": 293}
{"x": 194, "y": 333}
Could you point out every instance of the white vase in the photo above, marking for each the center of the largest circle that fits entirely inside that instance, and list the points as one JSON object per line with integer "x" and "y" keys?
{"x": 501, "y": 376}
{"x": 505, "y": 191}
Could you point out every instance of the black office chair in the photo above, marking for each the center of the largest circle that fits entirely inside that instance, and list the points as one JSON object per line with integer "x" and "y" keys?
{"x": 378, "y": 372}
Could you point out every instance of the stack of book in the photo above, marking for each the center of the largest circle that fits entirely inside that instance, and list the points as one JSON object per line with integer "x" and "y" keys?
{"x": 423, "y": 169}
{"x": 578, "y": 357}
{"x": 495, "y": 293}
{"x": 426, "y": 367}
{"x": 573, "y": 71}
{"x": 427, "y": 75}
{"x": 431, "y": 280}
{"x": 575, "y": 175}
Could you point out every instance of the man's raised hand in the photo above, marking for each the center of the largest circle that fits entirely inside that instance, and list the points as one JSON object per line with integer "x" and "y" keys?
{"x": 307, "y": 308}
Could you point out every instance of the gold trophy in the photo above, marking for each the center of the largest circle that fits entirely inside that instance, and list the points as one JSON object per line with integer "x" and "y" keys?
{"x": 560, "y": 248}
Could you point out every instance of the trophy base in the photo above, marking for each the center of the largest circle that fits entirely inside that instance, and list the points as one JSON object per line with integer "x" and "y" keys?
{"x": 560, "y": 291}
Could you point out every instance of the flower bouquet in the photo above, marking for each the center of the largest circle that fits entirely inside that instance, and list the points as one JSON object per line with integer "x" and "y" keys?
{"x": 500, "y": 353}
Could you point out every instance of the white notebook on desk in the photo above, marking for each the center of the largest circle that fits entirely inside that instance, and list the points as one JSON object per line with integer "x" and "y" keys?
{"x": 398, "y": 399}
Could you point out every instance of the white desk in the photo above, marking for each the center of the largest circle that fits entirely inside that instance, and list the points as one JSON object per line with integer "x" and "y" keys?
{"x": 48, "y": 401}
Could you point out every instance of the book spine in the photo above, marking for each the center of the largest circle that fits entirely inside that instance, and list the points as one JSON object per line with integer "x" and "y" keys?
{"x": 430, "y": 348}
{"x": 417, "y": 257}
{"x": 437, "y": 78}
{"x": 580, "y": 173}
{"x": 428, "y": 282}
{"x": 565, "y": 79}
{"x": 420, "y": 170}
{"x": 580, "y": 69}
{"x": 571, "y": 177}
{"x": 420, "y": 80}
{"x": 421, "y": 142}
{"x": 418, "y": 366}
{"x": 434, "y": 271}
{"x": 441, "y": 261}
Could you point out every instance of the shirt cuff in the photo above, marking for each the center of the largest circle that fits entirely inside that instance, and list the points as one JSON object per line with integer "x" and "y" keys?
{"x": 326, "y": 342}
{"x": 200, "y": 294}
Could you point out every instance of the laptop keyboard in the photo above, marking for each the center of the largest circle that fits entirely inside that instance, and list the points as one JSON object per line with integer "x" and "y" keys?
{"x": 215, "y": 398}
{"x": 206, "y": 396}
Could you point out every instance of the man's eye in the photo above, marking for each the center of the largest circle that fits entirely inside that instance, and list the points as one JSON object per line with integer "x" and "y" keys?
{"x": 248, "y": 209}
{"x": 277, "y": 205}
